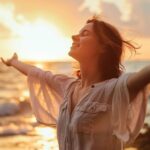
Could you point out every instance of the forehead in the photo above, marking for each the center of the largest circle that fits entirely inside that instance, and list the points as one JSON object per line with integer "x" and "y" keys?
{"x": 88, "y": 26}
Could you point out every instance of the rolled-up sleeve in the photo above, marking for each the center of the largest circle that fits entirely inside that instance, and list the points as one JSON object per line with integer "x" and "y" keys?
{"x": 128, "y": 115}
{"x": 46, "y": 91}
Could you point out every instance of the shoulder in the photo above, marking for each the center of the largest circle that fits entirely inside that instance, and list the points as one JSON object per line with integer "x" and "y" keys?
{"x": 116, "y": 84}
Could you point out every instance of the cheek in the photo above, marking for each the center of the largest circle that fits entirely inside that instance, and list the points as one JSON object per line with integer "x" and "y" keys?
{"x": 89, "y": 47}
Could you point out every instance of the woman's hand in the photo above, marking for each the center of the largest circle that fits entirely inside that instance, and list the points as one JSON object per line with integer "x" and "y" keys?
{"x": 17, "y": 64}
{"x": 9, "y": 61}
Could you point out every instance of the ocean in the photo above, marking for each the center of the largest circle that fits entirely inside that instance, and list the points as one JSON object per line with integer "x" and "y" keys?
{"x": 18, "y": 127}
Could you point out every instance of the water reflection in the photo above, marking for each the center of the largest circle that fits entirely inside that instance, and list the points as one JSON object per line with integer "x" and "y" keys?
{"x": 40, "y": 65}
{"x": 24, "y": 95}
{"x": 49, "y": 141}
{"x": 46, "y": 132}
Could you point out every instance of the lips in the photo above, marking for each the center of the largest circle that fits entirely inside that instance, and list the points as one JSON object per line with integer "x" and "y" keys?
{"x": 76, "y": 44}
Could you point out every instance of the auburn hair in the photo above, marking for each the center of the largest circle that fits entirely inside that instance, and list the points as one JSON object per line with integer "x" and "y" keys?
{"x": 113, "y": 45}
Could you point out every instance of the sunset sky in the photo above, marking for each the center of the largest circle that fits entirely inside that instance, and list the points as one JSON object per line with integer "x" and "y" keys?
{"x": 42, "y": 29}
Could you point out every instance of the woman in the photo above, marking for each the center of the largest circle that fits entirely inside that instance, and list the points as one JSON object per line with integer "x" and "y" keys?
{"x": 104, "y": 108}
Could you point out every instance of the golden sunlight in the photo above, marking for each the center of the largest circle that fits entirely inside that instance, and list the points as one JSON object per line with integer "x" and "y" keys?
{"x": 40, "y": 65}
{"x": 49, "y": 134}
{"x": 46, "y": 132}
{"x": 41, "y": 41}
{"x": 24, "y": 95}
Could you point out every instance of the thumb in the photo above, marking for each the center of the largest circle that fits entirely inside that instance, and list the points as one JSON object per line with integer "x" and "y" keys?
{"x": 15, "y": 54}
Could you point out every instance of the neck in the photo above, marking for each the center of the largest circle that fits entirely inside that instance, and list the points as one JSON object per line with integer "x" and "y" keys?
{"x": 90, "y": 74}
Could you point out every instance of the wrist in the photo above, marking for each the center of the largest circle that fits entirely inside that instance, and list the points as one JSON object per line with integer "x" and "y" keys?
{"x": 13, "y": 62}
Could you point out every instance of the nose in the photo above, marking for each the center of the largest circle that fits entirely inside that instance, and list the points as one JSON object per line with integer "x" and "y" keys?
{"x": 75, "y": 37}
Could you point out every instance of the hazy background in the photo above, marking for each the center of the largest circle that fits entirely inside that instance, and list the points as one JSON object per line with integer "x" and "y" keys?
{"x": 42, "y": 29}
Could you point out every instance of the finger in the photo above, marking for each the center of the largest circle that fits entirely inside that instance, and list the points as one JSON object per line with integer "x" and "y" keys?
{"x": 15, "y": 54}
{"x": 3, "y": 60}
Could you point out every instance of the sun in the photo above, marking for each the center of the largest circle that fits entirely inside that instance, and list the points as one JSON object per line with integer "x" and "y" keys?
{"x": 41, "y": 40}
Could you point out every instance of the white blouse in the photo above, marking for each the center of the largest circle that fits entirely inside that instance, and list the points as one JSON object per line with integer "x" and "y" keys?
{"x": 104, "y": 118}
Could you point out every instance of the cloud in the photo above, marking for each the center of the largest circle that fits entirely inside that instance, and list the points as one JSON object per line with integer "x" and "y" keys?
{"x": 140, "y": 17}
{"x": 6, "y": 19}
{"x": 132, "y": 14}
{"x": 63, "y": 13}
{"x": 32, "y": 32}
{"x": 96, "y": 6}
{"x": 93, "y": 6}
{"x": 10, "y": 23}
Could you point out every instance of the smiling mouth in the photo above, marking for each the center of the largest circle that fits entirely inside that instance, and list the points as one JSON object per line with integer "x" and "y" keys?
{"x": 75, "y": 44}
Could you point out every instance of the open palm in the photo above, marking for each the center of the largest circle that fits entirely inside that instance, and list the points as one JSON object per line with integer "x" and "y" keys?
{"x": 8, "y": 61}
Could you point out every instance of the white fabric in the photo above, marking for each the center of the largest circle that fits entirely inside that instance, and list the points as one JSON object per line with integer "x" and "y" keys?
{"x": 128, "y": 118}
{"x": 47, "y": 91}
{"x": 46, "y": 94}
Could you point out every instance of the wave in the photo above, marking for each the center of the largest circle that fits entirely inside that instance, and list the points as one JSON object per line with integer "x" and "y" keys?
{"x": 9, "y": 107}
{"x": 14, "y": 129}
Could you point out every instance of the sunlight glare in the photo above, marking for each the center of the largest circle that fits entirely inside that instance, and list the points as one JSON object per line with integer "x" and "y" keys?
{"x": 42, "y": 40}
{"x": 46, "y": 132}
{"x": 24, "y": 95}
{"x": 40, "y": 65}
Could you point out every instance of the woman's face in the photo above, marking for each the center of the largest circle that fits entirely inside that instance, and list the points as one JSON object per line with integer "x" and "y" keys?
{"x": 85, "y": 46}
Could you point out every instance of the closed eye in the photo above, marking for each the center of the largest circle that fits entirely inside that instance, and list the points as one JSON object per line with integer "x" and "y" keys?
{"x": 84, "y": 32}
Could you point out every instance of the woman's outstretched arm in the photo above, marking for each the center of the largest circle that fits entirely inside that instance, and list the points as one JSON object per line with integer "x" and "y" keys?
{"x": 20, "y": 66}
{"x": 138, "y": 81}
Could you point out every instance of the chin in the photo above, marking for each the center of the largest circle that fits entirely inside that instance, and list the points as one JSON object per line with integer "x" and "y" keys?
{"x": 71, "y": 51}
{"x": 71, "y": 54}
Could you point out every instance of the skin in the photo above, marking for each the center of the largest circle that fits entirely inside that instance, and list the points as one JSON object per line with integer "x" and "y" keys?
{"x": 20, "y": 66}
{"x": 88, "y": 53}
